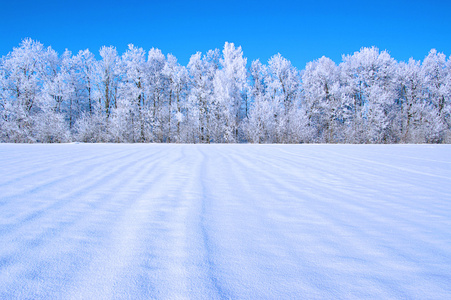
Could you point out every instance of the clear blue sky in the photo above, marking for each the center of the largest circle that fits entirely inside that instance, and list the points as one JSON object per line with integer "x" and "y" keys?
{"x": 300, "y": 30}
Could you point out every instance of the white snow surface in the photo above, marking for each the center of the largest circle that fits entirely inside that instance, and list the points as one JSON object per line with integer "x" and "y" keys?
{"x": 154, "y": 221}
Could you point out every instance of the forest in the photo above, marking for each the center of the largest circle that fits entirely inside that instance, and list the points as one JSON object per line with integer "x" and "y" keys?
{"x": 219, "y": 97}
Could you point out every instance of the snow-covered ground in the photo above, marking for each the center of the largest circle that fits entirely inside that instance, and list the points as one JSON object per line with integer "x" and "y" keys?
{"x": 100, "y": 221}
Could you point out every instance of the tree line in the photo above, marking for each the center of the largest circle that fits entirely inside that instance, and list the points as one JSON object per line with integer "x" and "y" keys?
{"x": 146, "y": 96}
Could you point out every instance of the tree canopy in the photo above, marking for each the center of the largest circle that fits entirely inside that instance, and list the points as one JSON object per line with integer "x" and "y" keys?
{"x": 146, "y": 96}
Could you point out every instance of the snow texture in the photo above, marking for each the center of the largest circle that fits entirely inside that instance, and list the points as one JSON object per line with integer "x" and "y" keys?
{"x": 101, "y": 221}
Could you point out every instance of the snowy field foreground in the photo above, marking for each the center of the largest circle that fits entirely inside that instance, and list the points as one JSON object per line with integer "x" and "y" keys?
{"x": 81, "y": 221}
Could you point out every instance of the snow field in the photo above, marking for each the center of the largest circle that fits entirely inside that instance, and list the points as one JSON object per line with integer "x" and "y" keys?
{"x": 117, "y": 221}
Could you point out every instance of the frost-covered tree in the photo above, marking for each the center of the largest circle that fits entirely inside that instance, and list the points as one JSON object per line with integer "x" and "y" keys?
{"x": 283, "y": 91}
{"x": 84, "y": 67}
{"x": 230, "y": 94}
{"x": 130, "y": 119}
{"x": 157, "y": 95}
{"x": 447, "y": 102}
{"x": 435, "y": 73}
{"x": 416, "y": 116}
{"x": 259, "y": 124}
{"x": 92, "y": 127}
{"x": 56, "y": 99}
{"x": 109, "y": 73}
{"x": 368, "y": 79}
{"x": 327, "y": 107}
{"x": 177, "y": 77}
{"x": 97, "y": 87}
{"x": 22, "y": 72}
{"x": 202, "y": 113}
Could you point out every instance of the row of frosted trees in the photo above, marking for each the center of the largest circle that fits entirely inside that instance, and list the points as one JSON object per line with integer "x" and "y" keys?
{"x": 148, "y": 97}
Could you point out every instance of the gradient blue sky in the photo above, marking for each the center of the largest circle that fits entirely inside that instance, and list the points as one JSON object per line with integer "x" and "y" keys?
{"x": 300, "y": 30}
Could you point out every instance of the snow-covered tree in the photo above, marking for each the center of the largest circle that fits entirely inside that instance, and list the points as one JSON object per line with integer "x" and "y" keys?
{"x": 417, "y": 118}
{"x": 109, "y": 73}
{"x": 260, "y": 122}
{"x": 283, "y": 90}
{"x": 177, "y": 77}
{"x": 92, "y": 127}
{"x": 327, "y": 107}
{"x": 230, "y": 94}
{"x": 56, "y": 99}
{"x": 434, "y": 71}
{"x": 130, "y": 119}
{"x": 368, "y": 79}
{"x": 202, "y": 112}
{"x": 84, "y": 66}
{"x": 157, "y": 94}
{"x": 22, "y": 72}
